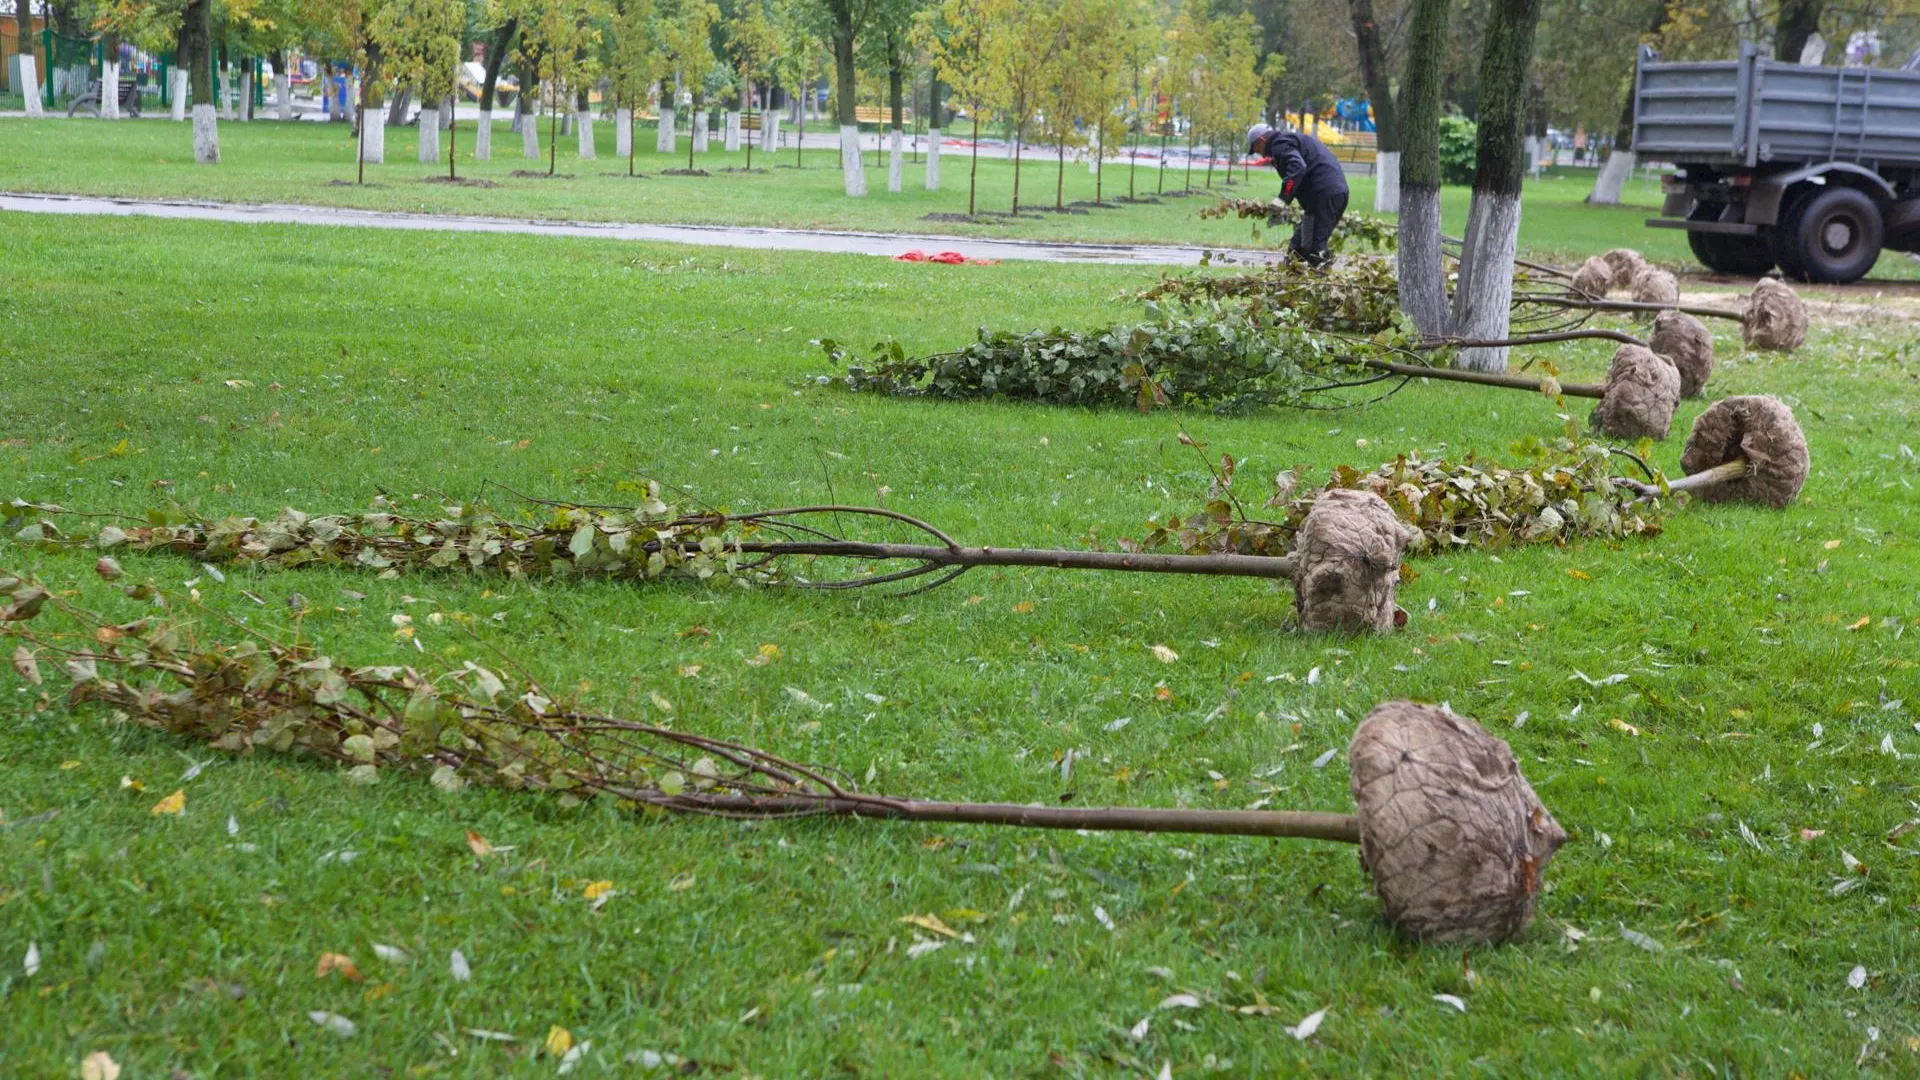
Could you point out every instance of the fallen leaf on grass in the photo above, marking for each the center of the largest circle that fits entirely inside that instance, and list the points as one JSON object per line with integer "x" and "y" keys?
{"x": 31, "y": 965}
{"x": 681, "y": 882}
{"x": 1862, "y": 624}
{"x": 127, "y": 782}
{"x": 1621, "y": 725}
{"x": 1322, "y": 761}
{"x": 491, "y": 1036}
{"x": 1179, "y": 1001}
{"x": 767, "y": 655}
{"x": 332, "y": 962}
{"x": 1139, "y": 1031}
{"x": 99, "y": 1065}
{"x": 570, "y": 1060}
{"x": 1100, "y": 915}
{"x": 175, "y": 803}
{"x": 1024, "y": 607}
{"x": 457, "y": 966}
{"x": 1304, "y": 1029}
{"x": 1164, "y": 654}
{"x": 1449, "y": 999}
{"x": 930, "y": 923}
{"x": 1857, "y": 978}
{"x": 392, "y": 954}
{"x": 26, "y": 665}
{"x": 921, "y": 948}
{"x": 559, "y": 1040}
{"x": 333, "y": 1022}
{"x": 1812, "y": 834}
{"x": 1635, "y": 937}
{"x": 479, "y": 844}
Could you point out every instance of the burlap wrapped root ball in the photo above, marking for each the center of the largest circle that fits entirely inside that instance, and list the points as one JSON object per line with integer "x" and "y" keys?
{"x": 1775, "y": 318}
{"x": 1639, "y": 396}
{"x": 1346, "y": 563}
{"x": 1760, "y": 429}
{"x": 1450, "y": 831}
{"x": 1624, "y": 263}
{"x": 1594, "y": 278}
{"x": 1652, "y": 285}
{"x": 1687, "y": 344}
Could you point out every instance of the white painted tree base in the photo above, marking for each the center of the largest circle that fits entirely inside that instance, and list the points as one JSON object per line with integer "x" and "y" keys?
{"x": 206, "y": 135}
{"x": 30, "y": 79}
{"x": 1612, "y": 179}
{"x": 373, "y": 137}
{"x": 530, "y": 137}
{"x": 700, "y": 134}
{"x": 583, "y": 123}
{"x": 1386, "y": 182}
{"x": 1482, "y": 301}
{"x": 283, "y": 95}
{"x": 1421, "y": 267}
{"x": 663, "y": 141}
{"x": 622, "y": 133}
{"x": 177, "y": 94}
{"x": 896, "y": 160}
{"x": 1531, "y": 147}
{"x": 853, "y": 171}
{"x": 429, "y": 138}
{"x": 110, "y": 90}
{"x": 770, "y": 134}
{"x": 483, "y": 137}
{"x": 243, "y": 102}
{"x": 933, "y": 159}
{"x": 732, "y": 143}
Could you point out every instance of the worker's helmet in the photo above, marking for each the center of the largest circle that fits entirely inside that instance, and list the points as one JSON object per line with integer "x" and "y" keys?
{"x": 1257, "y": 138}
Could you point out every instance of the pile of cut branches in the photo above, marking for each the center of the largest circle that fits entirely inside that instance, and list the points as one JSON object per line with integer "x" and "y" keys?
{"x": 1353, "y": 296}
{"x": 1355, "y": 232}
{"x": 1205, "y": 354}
{"x": 1567, "y": 492}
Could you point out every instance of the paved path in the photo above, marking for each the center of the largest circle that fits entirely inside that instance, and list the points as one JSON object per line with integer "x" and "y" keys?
{"x": 853, "y": 243}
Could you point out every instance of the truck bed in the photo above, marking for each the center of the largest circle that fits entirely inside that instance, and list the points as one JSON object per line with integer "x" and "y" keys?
{"x": 1755, "y": 111}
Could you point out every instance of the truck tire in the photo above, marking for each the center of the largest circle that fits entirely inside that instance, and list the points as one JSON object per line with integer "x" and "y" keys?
{"x": 1781, "y": 238}
{"x": 1835, "y": 234}
{"x": 1746, "y": 256}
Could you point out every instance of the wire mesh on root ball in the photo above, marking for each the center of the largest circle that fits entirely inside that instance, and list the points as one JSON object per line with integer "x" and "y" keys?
{"x": 1775, "y": 318}
{"x": 1652, "y": 285}
{"x": 1642, "y": 390}
{"x": 1685, "y": 342}
{"x": 1742, "y": 449}
{"x": 1346, "y": 563}
{"x": 1624, "y": 264}
{"x": 1594, "y": 278}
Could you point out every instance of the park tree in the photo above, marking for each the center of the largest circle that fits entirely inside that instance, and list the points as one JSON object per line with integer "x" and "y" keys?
{"x": 503, "y": 27}
{"x": 753, "y": 45}
{"x": 1021, "y": 49}
{"x": 686, "y": 50}
{"x": 420, "y": 41}
{"x": 1109, "y": 54}
{"x": 1370, "y": 50}
{"x": 799, "y": 55}
{"x": 957, "y": 38}
{"x": 890, "y": 42}
{"x": 557, "y": 38}
{"x": 1482, "y": 301}
{"x": 343, "y": 29}
{"x": 846, "y": 21}
{"x": 1231, "y": 90}
{"x": 1422, "y": 267}
{"x": 196, "y": 40}
{"x": 1067, "y": 90}
{"x": 632, "y": 68}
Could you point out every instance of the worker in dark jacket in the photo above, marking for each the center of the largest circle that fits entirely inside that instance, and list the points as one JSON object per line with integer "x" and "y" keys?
{"x": 1310, "y": 173}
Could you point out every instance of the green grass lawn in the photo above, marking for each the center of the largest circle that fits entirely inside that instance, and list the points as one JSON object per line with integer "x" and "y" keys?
{"x": 309, "y": 163}
{"x": 241, "y": 369}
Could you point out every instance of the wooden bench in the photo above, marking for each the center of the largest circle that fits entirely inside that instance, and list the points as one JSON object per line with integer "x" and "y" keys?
{"x": 129, "y": 99}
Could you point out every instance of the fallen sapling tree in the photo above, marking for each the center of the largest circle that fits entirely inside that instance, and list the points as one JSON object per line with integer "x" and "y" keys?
{"x": 1451, "y": 834}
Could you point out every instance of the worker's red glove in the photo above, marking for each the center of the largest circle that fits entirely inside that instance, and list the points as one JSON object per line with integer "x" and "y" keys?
{"x": 1286, "y": 188}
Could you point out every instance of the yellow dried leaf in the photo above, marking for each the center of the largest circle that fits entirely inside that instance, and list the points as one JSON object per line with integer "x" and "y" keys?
{"x": 688, "y": 671}
{"x": 1164, "y": 654}
{"x": 479, "y": 844}
{"x": 559, "y": 1040}
{"x": 681, "y": 883}
{"x": 65, "y": 765}
{"x": 1862, "y": 624}
{"x": 99, "y": 1065}
{"x": 172, "y": 804}
{"x": 1831, "y": 544}
{"x": 127, "y": 782}
{"x": 1024, "y": 607}
{"x": 595, "y": 890}
{"x": 1579, "y": 575}
{"x": 1621, "y": 725}
{"x": 1162, "y": 694}
{"x": 972, "y": 600}
{"x": 930, "y": 923}
{"x": 331, "y": 962}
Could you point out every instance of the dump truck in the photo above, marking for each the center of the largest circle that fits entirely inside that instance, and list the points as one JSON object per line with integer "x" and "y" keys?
{"x": 1811, "y": 169}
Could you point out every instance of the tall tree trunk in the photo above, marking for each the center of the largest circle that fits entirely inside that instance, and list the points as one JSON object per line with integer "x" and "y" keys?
{"x": 896, "y": 89}
{"x": 1423, "y": 274}
{"x": 1482, "y": 303}
{"x": 853, "y": 171}
{"x": 1798, "y": 20}
{"x": 1386, "y": 119}
{"x": 1618, "y": 169}
{"x": 197, "y": 34}
{"x": 935, "y": 121}
{"x": 583, "y": 124}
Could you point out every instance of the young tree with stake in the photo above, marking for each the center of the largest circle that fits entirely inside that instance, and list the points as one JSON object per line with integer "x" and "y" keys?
{"x": 1019, "y": 56}
{"x": 686, "y": 43}
{"x": 420, "y": 40}
{"x": 960, "y": 60}
{"x": 632, "y": 69}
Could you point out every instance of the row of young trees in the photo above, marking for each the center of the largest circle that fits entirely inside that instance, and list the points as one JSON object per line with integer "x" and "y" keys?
{"x": 1077, "y": 76}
